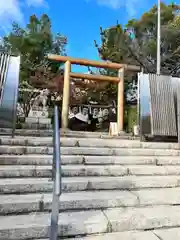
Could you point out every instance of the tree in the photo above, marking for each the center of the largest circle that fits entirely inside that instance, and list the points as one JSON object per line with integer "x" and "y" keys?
{"x": 136, "y": 44}
{"x": 33, "y": 43}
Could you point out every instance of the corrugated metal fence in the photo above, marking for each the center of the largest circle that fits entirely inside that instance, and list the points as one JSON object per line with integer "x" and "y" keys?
{"x": 160, "y": 102}
{"x": 4, "y": 62}
{"x": 9, "y": 82}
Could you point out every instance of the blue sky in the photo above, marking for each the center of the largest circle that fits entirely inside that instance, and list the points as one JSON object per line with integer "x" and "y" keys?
{"x": 78, "y": 20}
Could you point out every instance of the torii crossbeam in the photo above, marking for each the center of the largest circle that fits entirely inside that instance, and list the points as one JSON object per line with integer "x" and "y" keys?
{"x": 100, "y": 64}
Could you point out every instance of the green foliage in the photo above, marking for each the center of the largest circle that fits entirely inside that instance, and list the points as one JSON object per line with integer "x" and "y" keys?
{"x": 33, "y": 43}
{"x": 130, "y": 118}
{"x": 118, "y": 46}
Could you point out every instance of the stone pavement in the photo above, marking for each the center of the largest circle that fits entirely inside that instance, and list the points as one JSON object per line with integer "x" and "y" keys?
{"x": 112, "y": 189}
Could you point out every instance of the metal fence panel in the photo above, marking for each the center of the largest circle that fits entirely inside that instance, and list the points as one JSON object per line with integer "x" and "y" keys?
{"x": 10, "y": 94}
{"x": 144, "y": 102}
{"x": 178, "y": 110}
{"x": 4, "y": 63}
{"x": 158, "y": 105}
{"x": 176, "y": 90}
{"x": 162, "y": 106}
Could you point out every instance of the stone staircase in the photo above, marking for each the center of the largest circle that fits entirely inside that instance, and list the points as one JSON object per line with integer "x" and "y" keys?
{"x": 112, "y": 189}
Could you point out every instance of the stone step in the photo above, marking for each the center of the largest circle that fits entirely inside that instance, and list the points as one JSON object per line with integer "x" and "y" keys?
{"x": 145, "y": 218}
{"x": 41, "y": 202}
{"x": 49, "y": 132}
{"x": 66, "y": 133}
{"x": 67, "y": 171}
{"x": 90, "y": 222}
{"x": 167, "y": 234}
{"x": 131, "y": 235}
{"x": 68, "y": 201}
{"x": 83, "y": 142}
{"x": 163, "y": 234}
{"x": 15, "y": 171}
{"x": 42, "y": 159}
{"x": 36, "y": 225}
{"x": 30, "y": 185}
{"x": 93, "y": 151}
{"x": 88, "y": 160}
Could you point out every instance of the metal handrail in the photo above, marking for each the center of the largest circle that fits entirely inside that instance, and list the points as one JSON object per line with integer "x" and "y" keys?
{"x": 57, "y": 188}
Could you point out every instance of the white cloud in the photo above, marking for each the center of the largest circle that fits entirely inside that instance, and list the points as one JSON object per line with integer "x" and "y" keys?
{"x": 11, "y": 10}
{"x": 130, "y": 5}
{"x": 111, "y": 3}
{"x": 36, "y": 3}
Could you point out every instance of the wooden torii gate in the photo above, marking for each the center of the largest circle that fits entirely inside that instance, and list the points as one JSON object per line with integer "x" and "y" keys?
{"x": 84, "y": 62}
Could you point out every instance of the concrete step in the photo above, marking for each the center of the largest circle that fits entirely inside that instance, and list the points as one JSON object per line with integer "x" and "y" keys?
{"x": 68, "y": 201}
{"x": 163, "y": 234}
{"x": 132, "y": 235}
{"x": 15, "y": 171}
{"x": 35, "y": 159}
{"x": 88, "y": 160}
{"x": 167, "y": 234}
{"x": 85, "y": 142}
{"x": 93, "y": 151}
{"x": 30, "y": 185}
{"x": 89, "y": 222}
{"x": 66, "y": 133}
{"x": 37, "y": 202}
{"x": 67, "y": 171}
{"x": 36, "y": 225}
{"x": 49, "y": 132}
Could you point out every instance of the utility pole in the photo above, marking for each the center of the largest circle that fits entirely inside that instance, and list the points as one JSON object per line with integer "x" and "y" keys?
{"x": 159, "y": 38}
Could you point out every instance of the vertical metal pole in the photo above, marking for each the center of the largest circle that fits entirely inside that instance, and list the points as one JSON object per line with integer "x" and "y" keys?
{"x": 57, "y": 189}
{"x": 159, "y": 38}
{"x": 54, "y": 153}
{"x": 57, "y": 152}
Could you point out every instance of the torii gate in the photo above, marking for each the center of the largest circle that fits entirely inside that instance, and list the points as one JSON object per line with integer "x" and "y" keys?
{"x": 84, "y": 62}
